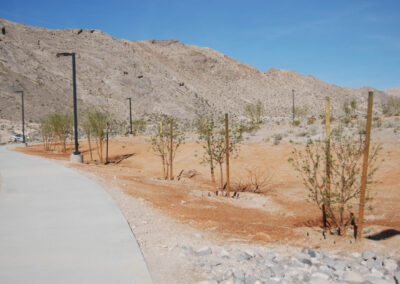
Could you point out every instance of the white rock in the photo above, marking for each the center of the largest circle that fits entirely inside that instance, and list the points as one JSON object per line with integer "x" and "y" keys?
{"x": 390, "y": 265}
{"x": 224, "y": 254}
{"x": 203, "y": 251}
{"x": 351, "y": 276}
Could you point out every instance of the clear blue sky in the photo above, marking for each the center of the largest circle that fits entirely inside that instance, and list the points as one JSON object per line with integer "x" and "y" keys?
{"x": 348, "y": 43}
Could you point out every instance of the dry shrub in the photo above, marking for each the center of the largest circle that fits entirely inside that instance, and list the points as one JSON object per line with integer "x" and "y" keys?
{"x": 256, "y": 181}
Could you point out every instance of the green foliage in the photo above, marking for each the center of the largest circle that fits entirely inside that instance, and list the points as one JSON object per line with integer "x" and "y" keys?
{"x": 98, "y": 124}
{"x": 254, "y": 112}
{"x": 56, "y": 127}
{"x": 301, "y": 112}
{"x": 138, "y": 126}
{"x": 161, "y": 140}
{"x": 311, "y": 120}
{"x": 392, "y": 106}
{"x": 296, "y": 123}
{"x": 212, "y": 132}
{"x": 345, "y": 176}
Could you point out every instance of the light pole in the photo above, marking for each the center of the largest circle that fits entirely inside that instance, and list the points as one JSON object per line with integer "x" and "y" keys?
{"x": 23, "y": 116}
{"x": 293, "y": 104}
{"x": 76, "y": 156}
{"x": 130, "y": 115}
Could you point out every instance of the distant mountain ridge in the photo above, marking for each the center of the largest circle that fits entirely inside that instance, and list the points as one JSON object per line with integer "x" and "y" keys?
{"x": 160, "y": 75}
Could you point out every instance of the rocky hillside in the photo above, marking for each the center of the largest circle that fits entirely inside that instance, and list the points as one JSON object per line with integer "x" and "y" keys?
{"x": 160, "y": 76}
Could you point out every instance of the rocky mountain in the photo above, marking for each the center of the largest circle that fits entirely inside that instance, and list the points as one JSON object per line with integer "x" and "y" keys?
{"x": 161, "y": 76}
{"x": 393, "y": 92}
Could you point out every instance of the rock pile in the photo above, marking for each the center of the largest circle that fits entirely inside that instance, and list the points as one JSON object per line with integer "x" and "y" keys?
{"x": 232, "y": 265}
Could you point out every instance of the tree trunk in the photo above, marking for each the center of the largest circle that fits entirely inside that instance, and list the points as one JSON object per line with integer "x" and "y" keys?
{"x": 222, "y": 176}
{"x": 90, "y": 148}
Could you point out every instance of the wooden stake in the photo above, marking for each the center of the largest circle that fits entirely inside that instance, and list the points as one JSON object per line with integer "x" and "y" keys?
{"x": 328, "y": 158}
{"x": 209, "y": 148}
{"x": 165, "y": 174}
{"x": 365, "y": 168}
{"x": 170, "y": 149}
{"x": 227, "y": 155}
{"x": 107, "y": 145}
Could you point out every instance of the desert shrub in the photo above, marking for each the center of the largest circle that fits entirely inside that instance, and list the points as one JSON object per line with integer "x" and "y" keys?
{"x": 345, "y": 175}
{"x": 277, "y": 138}
{"x": 256, "y": 181}
{"x": 301, "y": 112}
{"x": 311, "y": 120}
{"x": 391, "y": 106}
{"x": 296, "y": 123}
{"x": 376, "y": 122}
{"x": 138, "y": 126}
{"x": 254, "y": 112}
{"x": 161, "y": 141}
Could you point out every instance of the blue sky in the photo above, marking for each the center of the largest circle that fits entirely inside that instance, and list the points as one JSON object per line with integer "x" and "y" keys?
{"x": 347, "y": 43}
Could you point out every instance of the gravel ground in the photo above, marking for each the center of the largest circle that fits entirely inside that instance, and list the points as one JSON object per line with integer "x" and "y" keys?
{"x": 178, "y": 253}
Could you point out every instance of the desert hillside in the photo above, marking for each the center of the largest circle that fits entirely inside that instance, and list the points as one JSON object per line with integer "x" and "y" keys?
{"x": 161, "y": 76}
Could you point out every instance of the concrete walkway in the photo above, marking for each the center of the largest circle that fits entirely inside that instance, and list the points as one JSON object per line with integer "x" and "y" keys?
{"x": 57, "y": 226}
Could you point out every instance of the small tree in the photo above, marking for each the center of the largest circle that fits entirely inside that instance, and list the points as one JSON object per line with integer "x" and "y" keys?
{"x": 46, "y": 132}
{"x": 254, "y": 112}
{"x": 98, "y": 125}
{"x": 161, "y": 141}
{"x": 345, "y": 163}
{"x": 61, "y": 125}
{"x": 213, "y": 134}
{"x": 87, "y": 128}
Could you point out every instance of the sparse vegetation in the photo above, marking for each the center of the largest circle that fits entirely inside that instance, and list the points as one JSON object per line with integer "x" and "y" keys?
{"x": 56, "y": 127}
{"x": 257, "y": 181}
{"x": 345, "y": 164}
{"x": 162, "y": 144}
{"x": 392, "y": 106}
{"x": 254, "y": 112}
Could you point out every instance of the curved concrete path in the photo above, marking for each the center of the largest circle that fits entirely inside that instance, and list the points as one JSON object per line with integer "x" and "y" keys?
{"x": 57, "y": 226}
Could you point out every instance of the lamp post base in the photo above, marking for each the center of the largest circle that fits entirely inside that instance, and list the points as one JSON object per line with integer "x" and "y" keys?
{"x": 76, "y": 158}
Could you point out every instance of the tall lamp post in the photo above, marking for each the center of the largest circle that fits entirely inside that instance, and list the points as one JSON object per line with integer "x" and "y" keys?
{"x": 23, "y": 116}
{"x": 76, "y": 155}
{"x": 130, "y": 115}
{"x": 293, "y": 104}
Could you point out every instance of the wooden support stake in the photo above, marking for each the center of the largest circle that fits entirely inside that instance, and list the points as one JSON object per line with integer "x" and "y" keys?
{"x": 328, "y": 159}
{"x": 209, "y": 149}
{"x": 107, "y": 145}
{"x": 170, "y": 148}
{"x": 365, "y": 168}
{"x": 165, "y": 174}
{"x": 227, "y": 155}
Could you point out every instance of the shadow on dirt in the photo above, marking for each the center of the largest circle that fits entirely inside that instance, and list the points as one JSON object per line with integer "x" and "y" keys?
{"x": 386, "y": 234}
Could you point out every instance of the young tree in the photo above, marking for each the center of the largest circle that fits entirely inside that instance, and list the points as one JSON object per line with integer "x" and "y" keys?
{"x": 164, "y": 143}
{"x": 98, "y": 125}
{"x": 46, "y": 132}
{"x": 61, "y": 125}
{"x": 345, "y": 164}
{"x": 87, "y": 128}
{"x": 254, "y": 112}
{"x": 213, "y": 134}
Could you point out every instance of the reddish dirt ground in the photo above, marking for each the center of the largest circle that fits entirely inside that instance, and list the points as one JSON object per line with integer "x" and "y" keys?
{"x": 283, "y": 215}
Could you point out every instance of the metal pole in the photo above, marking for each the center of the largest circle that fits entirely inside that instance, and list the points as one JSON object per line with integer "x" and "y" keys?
{"x": 75, "y": 106}
{"x": 227, "y": 154}
{"x": 293, "y": 104}
{"x": 170, "y": 149}
{"x": 365, "y": 168}
{"x": 130, "y": 115}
